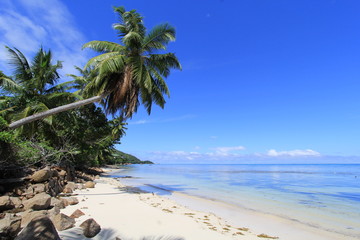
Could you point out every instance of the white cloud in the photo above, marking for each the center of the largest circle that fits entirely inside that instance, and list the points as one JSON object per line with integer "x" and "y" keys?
{"x": 139, "y": 122}
{"x": 174, "y": 119}
{"x": 45, "y": 23}
{"x": 229, "y": 149}
{"x": 292, "y": 153}
{"x": 219, "y": 154}
{"x": 232, "y": 155}
{"x": 215, "y": 158}
{"x": 175, "y": 155}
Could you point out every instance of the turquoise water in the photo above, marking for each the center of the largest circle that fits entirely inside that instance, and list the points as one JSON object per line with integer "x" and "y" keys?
{"x": 322, "y": 196}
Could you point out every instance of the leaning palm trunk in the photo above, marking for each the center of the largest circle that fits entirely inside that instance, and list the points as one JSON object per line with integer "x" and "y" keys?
{"x": 56, "y": 110}
{"x": 127, "y": 74}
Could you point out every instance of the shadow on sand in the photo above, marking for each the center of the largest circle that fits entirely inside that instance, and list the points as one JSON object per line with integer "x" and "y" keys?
{"x": 107, "y": 234}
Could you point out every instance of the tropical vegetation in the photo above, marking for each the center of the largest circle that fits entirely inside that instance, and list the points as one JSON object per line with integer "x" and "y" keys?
{"x": 36, "y": 126}
{"x": 126, "y": 74}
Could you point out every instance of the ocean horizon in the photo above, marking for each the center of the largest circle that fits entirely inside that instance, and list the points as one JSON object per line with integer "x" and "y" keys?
{"x": 322, "y": 196}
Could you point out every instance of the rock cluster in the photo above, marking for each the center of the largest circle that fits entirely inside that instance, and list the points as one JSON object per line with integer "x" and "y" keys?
{"x": 34, "y": 207}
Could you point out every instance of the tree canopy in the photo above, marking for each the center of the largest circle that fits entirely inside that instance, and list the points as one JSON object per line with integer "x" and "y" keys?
{"x": 128, "y": 74}
{"x": 124, "y": 76}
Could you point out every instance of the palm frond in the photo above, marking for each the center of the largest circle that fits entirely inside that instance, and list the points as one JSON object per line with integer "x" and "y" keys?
{"x": 158, "y": 81}
{"x": 121, "y": 29}
{"x": 22, "y": 114}
{"x": 18, "y": 60}
{"x": 120, "y": 10}
{"x": 41, "y": 107}
{"x": 164, "y": 62}
{"x": 132, "y": 74}
{"x": 111, "y": 65}
{"x": 132, "y": 39}
{"x": 59, "y": 97}
{"x": 104, "y": 46}
{"x": 159, "y": 37}
{"x": 62, "y": 87}
{"x": 43, "y": 71}
{"x": 146, "y": 99}
{"x": 158, "y": 97}
{"x": 93, "y": 62}
{"x": 8, "y": 84}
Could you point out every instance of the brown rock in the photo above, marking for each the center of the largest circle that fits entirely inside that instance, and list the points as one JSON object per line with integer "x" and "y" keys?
{"x": 29, "y": 195}
{"x": 78, "y": 213}
{"x": 54, "y": 186}
{"x": 16, "y": 201}
{"x": 53, "y": 212}
{"x": 90, "y": 228}
{"x": 6, "y": 203}
{"x": 29, "y": 215}
{"x": 57, "y": 203}
{"x": 19, "y": 190}
{"x": 67, "y": 190}
{"x": 38, "y": 202}
{"x": 40, "y": 228}
{"x": 38, "y": 188}
{"x": 89, "y": 184}
{"x": 65, "y": 202}
{"x": 63, "y": 222}
{"x": 71, "y": 185}
{"x": 54, "y": 173}
{"x": 41, "y": 175}
{"x": 9, "y": 226}
{"x": 29, "y": 190}
{"x": 71, "y": 200}
{"x": 62, "y": 173}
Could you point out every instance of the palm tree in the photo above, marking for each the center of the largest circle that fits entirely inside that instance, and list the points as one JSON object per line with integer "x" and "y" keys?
{"x": 33, "y": 87}
{"x": 128, "y": 73}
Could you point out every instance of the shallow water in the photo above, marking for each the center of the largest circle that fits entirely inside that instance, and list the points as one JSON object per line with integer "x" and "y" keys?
{"x": 322, "y": 196}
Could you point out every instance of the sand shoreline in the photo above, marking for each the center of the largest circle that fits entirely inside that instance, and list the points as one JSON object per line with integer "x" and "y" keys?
{"x": 128, "y": 213}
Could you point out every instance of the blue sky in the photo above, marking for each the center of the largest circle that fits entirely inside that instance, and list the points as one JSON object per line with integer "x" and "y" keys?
{"x": 262, "y": 81}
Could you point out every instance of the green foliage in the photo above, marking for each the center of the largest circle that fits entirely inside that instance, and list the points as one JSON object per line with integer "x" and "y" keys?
{"x": 133, "y": 71}
{"x": 6, "y": 137}
{"x": 126, "y": 75}
{"x": 119, "y": 157}
{"x": 32, "y": 89}
{"x": 3, "y": 123}
{"x": 16, "y": 150}
{"x": 84, "y": 136}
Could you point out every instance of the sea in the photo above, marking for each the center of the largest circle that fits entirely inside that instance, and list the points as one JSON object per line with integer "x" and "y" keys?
{"x": 324, "y": 196}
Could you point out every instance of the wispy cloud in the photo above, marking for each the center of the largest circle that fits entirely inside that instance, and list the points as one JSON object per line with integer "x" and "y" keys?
{"x": 292, "y": 153}
{"x": 179, "y": 118}
{"x": 45, "y": 23}
{"x": 216, "y": 158}
{"x": 166, "y": 120}
{"x": 139, "y": 122}
{"x": 217, "y": 154}
{"x": 174, "y": 155}
{"x": 227, "y": 150}
{"x": 234, "y": 155}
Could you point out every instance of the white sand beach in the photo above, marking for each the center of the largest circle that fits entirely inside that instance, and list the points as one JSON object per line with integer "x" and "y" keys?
{"x": 128, "y": 213}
